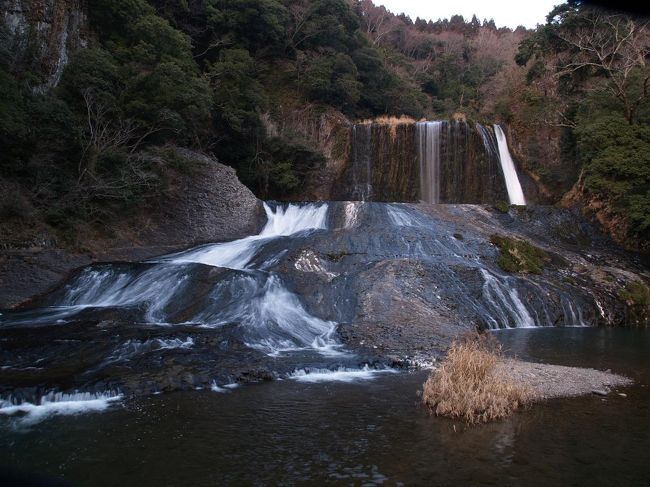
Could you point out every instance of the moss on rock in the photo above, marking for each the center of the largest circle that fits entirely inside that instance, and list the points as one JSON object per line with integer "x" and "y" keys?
{"x": 502, "y": 207}
{"x": 519, "y": 256}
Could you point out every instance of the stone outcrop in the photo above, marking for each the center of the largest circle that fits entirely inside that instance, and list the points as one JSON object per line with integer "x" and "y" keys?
{"x": 207, "y": 204}
{"x": 41, "y": 34}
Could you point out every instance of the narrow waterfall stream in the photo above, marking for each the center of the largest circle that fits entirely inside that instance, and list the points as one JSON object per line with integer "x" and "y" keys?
{"x": 428, "y": 134}
{"x": 362, "y": 161}
{"x": 515, "y": 193}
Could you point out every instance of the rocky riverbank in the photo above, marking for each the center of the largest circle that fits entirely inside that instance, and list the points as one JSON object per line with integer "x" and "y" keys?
{"x": 546, "y": 381}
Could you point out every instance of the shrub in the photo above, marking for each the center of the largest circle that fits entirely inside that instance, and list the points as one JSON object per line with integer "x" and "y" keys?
{"x": 465, "y": 385}
{"x": 519, "y": 256}
{"x": 636, "y": 296}
{"x": 333, "y": 80}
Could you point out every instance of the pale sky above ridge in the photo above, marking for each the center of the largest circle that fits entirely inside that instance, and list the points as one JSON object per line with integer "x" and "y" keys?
{"x": 506, "y": 13}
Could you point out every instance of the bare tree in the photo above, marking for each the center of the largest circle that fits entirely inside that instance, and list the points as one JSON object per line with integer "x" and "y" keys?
{"x": 104, "y": 132}
{"x": 378, "y": 21}
{"x": 614, "y": 45}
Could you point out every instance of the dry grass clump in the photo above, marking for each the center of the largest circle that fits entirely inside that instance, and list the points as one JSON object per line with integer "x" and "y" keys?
{"x": 387, "y": 120}
{"x": 465, "y": 385}
{"x": 391, "y": 122}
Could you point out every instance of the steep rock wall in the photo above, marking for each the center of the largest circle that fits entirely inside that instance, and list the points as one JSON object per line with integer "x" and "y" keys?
{"x": 386, "y": 159}
{"x": 41, "y": 34}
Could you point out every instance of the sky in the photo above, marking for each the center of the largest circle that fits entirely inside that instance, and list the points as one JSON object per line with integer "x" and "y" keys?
{"x": 506, "y": 13}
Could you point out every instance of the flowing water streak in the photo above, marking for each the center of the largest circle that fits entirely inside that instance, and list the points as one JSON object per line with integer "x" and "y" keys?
{"x": 504, "y": 302}
{"x": 351, "y": 214}
{"x": 428, "y": 136}
{"x": 515, "y": 193}
{"x": 238, "y": 254}
{"x": 271, "y": 318}
{"x": 361, "y": 161}
{"x": 489, "y": 141}
{"x": 341, "y": 374}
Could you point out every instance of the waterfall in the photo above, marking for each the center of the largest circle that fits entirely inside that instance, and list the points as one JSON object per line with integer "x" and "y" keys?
{"x": 270, "y": 317}
{"x": 361, "y": 162}
{"x": 438, "y": 161}
{"x": 239, "y": 253}
{"x": 428, "y": 146}
{"x": 515, "y": 193}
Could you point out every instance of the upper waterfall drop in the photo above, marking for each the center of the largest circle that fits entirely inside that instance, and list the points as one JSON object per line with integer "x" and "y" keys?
{"x": 428, "y": 139}
{"x": 515, "y": 193}
{"x": 238, "y": 254}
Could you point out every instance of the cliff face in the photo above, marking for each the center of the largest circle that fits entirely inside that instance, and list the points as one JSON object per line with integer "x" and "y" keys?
{"x": 324, "y": 129}
{"x": 382, "y": 164}
{"x": 399, "y": 161}
{"x": 40, "y": 35}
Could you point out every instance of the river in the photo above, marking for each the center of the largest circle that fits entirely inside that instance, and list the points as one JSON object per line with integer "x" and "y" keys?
{"x": 364, "y": 432}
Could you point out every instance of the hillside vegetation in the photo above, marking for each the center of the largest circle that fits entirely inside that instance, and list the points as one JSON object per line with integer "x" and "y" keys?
{"x": 247, "y": 80}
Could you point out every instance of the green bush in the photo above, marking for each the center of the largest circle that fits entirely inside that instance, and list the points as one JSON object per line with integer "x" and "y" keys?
{"x": 616, "y": 159}
{"x": 251, "y": 24}
{"x": 282, "y": 167}
{"x": 502, "y": 206}
{"x": 332, "y": 79}
{"x": 238, "y": 95}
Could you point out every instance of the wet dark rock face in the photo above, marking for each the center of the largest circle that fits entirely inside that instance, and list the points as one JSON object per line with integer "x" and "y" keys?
{"x": 385, "y": 164}
{"x": 327, "y": 285}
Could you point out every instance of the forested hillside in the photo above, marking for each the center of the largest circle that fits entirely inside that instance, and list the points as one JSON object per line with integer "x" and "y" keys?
{"x": 87, "y": 130}
{"x": 588, "y": 74}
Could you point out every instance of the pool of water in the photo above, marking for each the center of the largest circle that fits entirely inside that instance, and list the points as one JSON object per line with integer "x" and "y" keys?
{"x": 360, "y": 433}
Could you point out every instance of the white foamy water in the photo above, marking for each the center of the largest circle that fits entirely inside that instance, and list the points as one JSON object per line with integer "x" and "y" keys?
{"x": 401, "y": 217}
{"x": 214, "y": 387}
{"x": 170, "y": 343}
{"x": 281, "y": 222}
{"x": 352, "y": 213}
{"x": 505, "y": 305}
{"x": 515, "y": 193}
{"x": 58, "y": 403}
{"x": 271, "y": 318}
{"x": 131, "y": 348}
{"x": 308, "y": 261}
{"x": 342, "y": 374}
{"x": 110, "y": 287}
